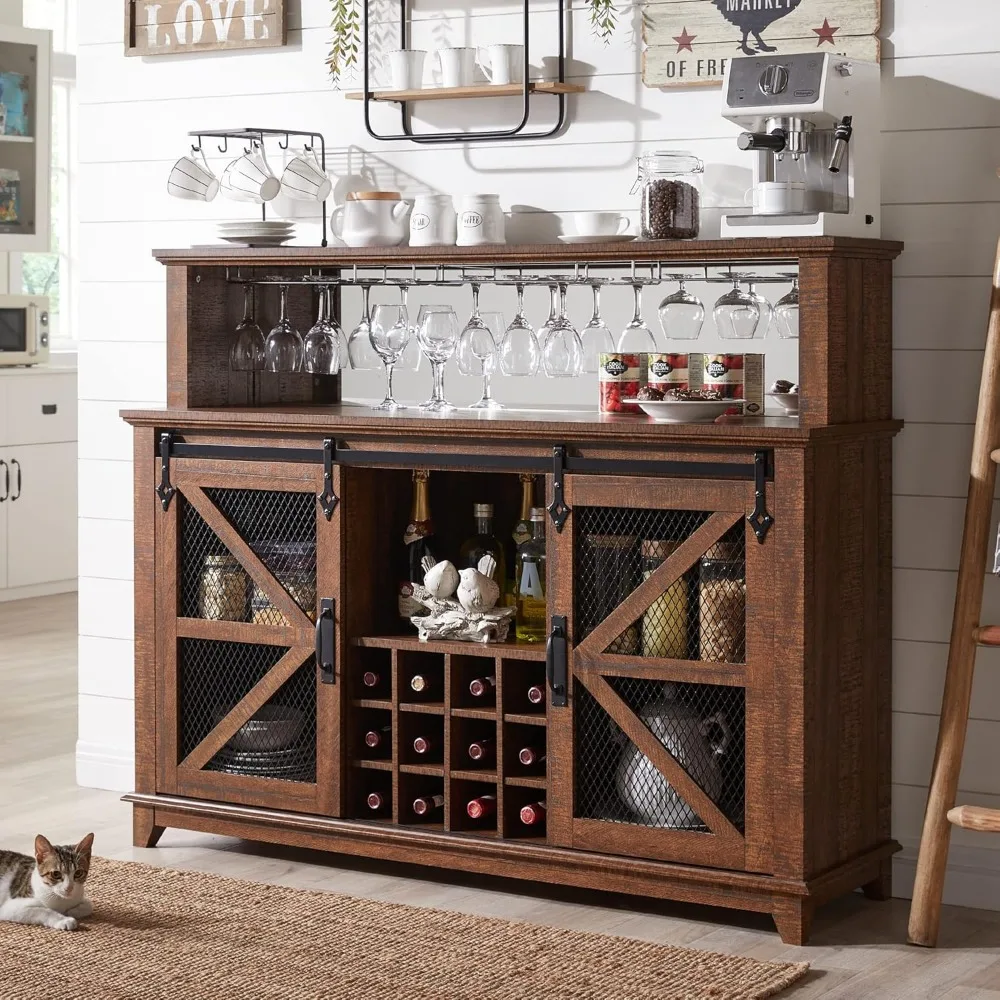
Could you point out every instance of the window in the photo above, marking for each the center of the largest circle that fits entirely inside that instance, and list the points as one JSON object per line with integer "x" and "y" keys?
{"x": 54, "y": 274}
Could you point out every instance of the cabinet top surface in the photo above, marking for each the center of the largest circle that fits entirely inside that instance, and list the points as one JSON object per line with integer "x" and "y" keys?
{"x": 692, "y": 251}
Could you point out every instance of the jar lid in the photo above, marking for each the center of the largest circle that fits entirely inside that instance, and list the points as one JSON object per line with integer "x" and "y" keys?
{"x": 669, "y": 161}
{"x": 373, "y": 196}
{"x": 482, "y": 510}
{"x": 224, "y": 560}
{"x": 654, "y": 548}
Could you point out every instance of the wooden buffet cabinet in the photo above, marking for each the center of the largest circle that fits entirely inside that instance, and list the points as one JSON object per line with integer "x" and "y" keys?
{"x": 796, "y": 810}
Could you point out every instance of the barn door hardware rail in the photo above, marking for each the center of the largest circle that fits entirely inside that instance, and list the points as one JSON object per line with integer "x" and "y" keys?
{"x": 527, "y": 89}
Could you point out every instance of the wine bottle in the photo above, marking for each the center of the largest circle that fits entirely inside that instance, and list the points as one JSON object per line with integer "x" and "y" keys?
{"x": 374, "y": 737}
{"x": 482, "y": 750}
{"x": 533, "y": 813}
{"x": 481, "y": 806}
{"x": 480, "y": 687}
{"x": 423, "y": 684}
{"x": 425, "y": 805}
{"x": 416, "y": 540}
{"x": 376, "y": 801}
{"x": 531, "y": 617}
{"x": 371, "y": 679}
{"x": 530, "y": 756}
{"x": 482, "y": 543}
{"x": 536, "y": 694}
{"x": 522, "y": 529}
{"x": 423, "y": 744}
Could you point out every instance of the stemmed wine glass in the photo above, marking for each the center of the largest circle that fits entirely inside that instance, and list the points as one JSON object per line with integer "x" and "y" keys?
{"x": 562, "y": 351}
{"x": 477, "y": 352}
{"x": 519, "y": 351}
{"x": 543, "y": 330}
{"x": 637, "y": 336}
{"x": 410, "y": 358}
{"x": 247, "y": 352}
{"x": 682, "y": 314}
{"x": 283, "y": 347}
{"x": 736, "y": 313}
{"x": 786, "y": 313}
{"x": 390, "y": 333}
{"x": 596, "y": 337}
{"x": 765, "y": 307}
{"x": 437, "y": 331}
{"x": 322, "y": 348}
{"x": 359, "y": 345}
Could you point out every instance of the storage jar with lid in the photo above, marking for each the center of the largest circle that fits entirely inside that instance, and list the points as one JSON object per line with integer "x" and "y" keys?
{"x": 480, "y": 220}
{"x": 670, "y": 207}
{"x": 665, "y": 621}
{"x": 722, "y": 603}
{"x": 432, "y": 221}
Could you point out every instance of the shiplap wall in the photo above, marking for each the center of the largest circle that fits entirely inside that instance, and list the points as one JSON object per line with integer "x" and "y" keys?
{"x": 941, "y": 95}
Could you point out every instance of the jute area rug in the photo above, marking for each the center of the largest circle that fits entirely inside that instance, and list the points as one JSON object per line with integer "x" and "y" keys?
{"x": 159, "y": 934}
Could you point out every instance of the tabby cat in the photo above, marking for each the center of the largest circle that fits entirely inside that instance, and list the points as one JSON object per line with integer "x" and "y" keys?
{"x": 46, "y": 889}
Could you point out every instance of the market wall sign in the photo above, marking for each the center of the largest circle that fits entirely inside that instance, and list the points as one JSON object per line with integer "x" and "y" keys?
{"x": 161, "y": 27}
{"x": 690, "y": 41}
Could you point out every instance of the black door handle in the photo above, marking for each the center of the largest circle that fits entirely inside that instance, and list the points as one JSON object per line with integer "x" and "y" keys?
{"x": 556, "y": 666}
{"x": 17, "y": 495}
{"x": 326, "y": 653}
{"x": 6, "y": 480}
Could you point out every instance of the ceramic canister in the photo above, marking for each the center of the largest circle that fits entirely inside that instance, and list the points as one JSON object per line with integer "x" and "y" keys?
{"x": 433, "y": 222}
{"x": 480, "y": 220}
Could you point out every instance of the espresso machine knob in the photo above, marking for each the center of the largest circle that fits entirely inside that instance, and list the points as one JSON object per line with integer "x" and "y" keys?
{"x": 774, "y": 80}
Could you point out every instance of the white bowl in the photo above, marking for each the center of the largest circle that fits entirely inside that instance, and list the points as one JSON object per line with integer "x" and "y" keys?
{"x": 684, "y": 411}
{"x": 788, "y": 401}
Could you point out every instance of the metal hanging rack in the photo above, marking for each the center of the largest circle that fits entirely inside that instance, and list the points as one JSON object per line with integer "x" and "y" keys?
{"x": 258, "y": 135}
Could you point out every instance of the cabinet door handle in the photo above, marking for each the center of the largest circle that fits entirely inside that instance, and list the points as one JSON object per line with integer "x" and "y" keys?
{"x": 326, "y": 653}
{"x": 17, "y": 495}
{"x": 556, "y": 666}
{"x": 6, "y": 480}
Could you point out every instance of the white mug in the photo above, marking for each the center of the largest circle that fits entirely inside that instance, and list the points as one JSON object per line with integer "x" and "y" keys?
{"x": 458, "y": 66}
{"x": 371, "y": 219}
{"x": 305, "y": 180}
{"x": 777, "y": 197}
{"x": 192, "y": 179}
{"x": 600, "y": 223}
{"x": 433, "y": 221}
{"x": 480, "y": 220}
{"x": 250, "y": 178}
{"x": 406, "y": 67}
{"x": 504, "y": 64}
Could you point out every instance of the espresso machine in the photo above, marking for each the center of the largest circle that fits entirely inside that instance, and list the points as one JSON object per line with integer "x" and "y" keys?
{"x": 812, "y": 124}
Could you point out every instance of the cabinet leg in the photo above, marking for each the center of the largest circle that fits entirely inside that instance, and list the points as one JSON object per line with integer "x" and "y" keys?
{"x": 145, "y": 832}
{"x": 880, "y": 888}
{"x": 793, "y": 918}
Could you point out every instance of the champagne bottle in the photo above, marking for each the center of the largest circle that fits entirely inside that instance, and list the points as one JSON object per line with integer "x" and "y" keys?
{"x": 482, "y": 543}
{"x": 483, "y": 750}
{"x": 480, "y": 687}
{"x": 481, "y": 806}
{"x": 416, "y": 539}
{"x": 531, "y": 618}
{"x": 426, "y": 805}
{"x": 533, "y": 813}
{"x": 530, "y": 756}
{"x": 375, "y": 737}
{"x": 522, "y": 530}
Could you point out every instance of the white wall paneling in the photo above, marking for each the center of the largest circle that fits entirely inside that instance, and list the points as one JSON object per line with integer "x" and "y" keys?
{"x": 941, "y": 148}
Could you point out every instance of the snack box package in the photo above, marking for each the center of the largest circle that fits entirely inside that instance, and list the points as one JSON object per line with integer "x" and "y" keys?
{"x": 735, "y": 376}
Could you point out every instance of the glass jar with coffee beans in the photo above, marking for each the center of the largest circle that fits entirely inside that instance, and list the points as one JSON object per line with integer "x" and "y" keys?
{"x": 671, "y": 195}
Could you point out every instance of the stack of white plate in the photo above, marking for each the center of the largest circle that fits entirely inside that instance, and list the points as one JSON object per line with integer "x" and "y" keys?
{"x": 259, "y": 233}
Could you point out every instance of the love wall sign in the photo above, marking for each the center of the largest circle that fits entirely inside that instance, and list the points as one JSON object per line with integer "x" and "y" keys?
{"x": 162, "y": 27}
{"x": 690, "y": 41}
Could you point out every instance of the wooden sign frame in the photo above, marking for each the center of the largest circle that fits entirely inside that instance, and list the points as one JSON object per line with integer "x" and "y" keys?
{"x": 170, "y": 27}
{"x": 688, "y": 42}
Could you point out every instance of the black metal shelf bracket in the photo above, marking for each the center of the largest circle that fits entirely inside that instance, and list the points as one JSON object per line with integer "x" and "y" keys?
{"x": 558, "y": 509}
{"x": 760, "y": 520}
{"x": 164, "y": 490}
{"x": 493, "y": 135}
{"x": 328, "y": 500}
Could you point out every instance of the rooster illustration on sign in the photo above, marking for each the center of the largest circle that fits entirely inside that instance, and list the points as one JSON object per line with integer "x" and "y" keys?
{"x": 753, "y": 16}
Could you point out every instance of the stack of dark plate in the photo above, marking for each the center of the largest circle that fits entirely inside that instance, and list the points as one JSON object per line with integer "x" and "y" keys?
{"x": 272, "y": 744}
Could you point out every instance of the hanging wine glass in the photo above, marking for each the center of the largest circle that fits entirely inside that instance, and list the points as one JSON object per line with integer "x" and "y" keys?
{"x": 247, "y": 352}
{"x": 682, "y": 314}
{"x": 786, "y": 313}
{"x": 477, "y": 352}
{"x": 765, "y": 307}
{"x": 437, "y": 330}
{"x": 637, "y": 338}
{"x": 519, "y": 351}
{"x": 562, "y": 351}
{"x": 736, "y": 313}
{"x": 595, "y": 337}
{"x": 363, "y": 355}
{"x": 283, "y": 347}
{"x": 323, "y": 346}
{"x": 390, "y": 333}
{"x": 543, "y": 330}
{"x": 410, "y": 358}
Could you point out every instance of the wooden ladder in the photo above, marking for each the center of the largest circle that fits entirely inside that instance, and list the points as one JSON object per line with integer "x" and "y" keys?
{"x": 966, "y": 635}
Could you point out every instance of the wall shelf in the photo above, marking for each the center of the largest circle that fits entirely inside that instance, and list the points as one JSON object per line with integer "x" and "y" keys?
{"x": 468, "y": 93}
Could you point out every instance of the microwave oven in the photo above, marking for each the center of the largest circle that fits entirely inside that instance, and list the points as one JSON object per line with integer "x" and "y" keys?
{"x": 24, "y": 330}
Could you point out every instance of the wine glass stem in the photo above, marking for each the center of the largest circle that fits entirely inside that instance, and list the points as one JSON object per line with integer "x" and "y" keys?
{"x": 520, "y": 300}
{"x": 595, "y": 320}
{"x": 475, "y": 301}
{"x": 637, "y": 291}
{"x": 487, "y": 385}
{"x": 389, "y": 366}
{"x": 437, "y": 374}
{"x": 284, "y": 305}
{"x": 365, "y": 289}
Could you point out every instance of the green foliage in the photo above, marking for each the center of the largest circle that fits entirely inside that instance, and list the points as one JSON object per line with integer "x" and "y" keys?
{"x": 346, "y": 38}
{"x": 603, "y": 19}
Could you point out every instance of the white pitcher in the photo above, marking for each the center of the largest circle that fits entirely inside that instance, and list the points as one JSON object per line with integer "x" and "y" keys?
{"x": 371, "y": 219}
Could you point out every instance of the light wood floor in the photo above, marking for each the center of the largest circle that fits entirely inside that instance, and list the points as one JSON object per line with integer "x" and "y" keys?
{"x": 857, "y": 949}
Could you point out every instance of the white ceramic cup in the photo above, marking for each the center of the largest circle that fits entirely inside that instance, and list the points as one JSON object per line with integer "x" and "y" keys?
{"x": 192, "y": 179}
{"x": 305, "y": 180}
{"x": 371, "y": 219}
{"x": 250, "y": 178}
{"x": 458, "y": 66}
{"x": 777, "y": 198}
{"x": 433, "y": 221}
{"x": 599, "y": 223}
{"x": 406, "y": 68}
{"x": 504, "y": 63}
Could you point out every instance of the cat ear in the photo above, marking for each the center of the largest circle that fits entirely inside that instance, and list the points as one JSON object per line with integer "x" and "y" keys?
{"x": 83, "y": 848}
{"x": 42, "y": 848}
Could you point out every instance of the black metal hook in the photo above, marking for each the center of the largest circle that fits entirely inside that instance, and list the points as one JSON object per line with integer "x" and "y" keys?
{"x": 196, "y": 148}
{"x": 224, "y": 148}
{"x": 284, "y": 145}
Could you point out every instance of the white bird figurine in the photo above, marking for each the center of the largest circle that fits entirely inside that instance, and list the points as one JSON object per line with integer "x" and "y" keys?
{"x": 478, "y": 591}
{"x": 440, "y": 578}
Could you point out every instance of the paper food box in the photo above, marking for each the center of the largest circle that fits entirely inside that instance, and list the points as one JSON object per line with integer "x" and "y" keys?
{"x": 14, "y": 97}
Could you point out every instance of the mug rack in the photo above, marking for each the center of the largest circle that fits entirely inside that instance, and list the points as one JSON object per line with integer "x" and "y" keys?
{"x": 258, "y": 136}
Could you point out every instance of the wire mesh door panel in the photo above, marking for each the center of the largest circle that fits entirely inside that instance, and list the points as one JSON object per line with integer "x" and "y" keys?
{"x": 245, "y": 559}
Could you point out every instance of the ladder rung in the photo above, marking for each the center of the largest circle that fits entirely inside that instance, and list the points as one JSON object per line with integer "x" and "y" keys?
{"x": 975, "y": 818}
{"x": 987, "y": 635}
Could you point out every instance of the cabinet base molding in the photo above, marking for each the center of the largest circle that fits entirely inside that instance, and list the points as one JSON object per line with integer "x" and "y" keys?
{"x": 38, "y": 590}
{"x": 790, "y": 901}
